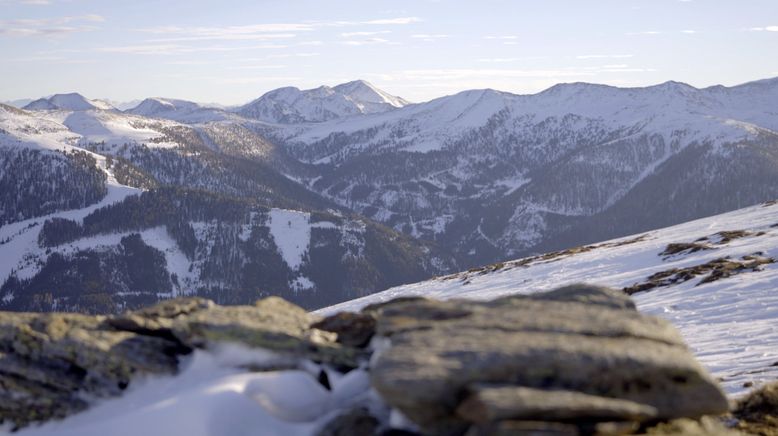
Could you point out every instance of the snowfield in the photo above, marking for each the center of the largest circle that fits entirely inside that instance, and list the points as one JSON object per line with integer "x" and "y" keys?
{"x": 731, "y": 324}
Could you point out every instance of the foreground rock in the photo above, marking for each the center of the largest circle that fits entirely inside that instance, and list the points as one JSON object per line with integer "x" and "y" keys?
{"x": 757, "y": 413}
{"x": 577, "y": 360}
{"x": 576, "y": 354}
{"x": 49, "y": 363}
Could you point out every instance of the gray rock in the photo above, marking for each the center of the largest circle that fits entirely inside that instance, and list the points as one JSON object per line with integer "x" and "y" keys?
{"x": 355, "y": 422}
{"x": 49, "y": 361}
{"x": 486, "y": 403}
{"x": 272, "y": 323}
{"x": 524, "y": 428}
{"x": 549, "y": 342}
{"x": 353, "y": 329}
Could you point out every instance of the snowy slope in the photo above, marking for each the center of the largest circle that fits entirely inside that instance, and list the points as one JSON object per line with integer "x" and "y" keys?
{"x": 291, "y": 105}
{"x": 731, "y": 323}
{"x": 69, "y": 129}
{"x": 178, "y": 110}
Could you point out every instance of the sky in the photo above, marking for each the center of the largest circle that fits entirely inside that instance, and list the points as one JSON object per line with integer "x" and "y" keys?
{"x": 230, "y": 51}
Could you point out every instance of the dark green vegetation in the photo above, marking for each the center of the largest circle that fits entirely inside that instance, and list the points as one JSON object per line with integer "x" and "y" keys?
{"x": 35, "y": 183}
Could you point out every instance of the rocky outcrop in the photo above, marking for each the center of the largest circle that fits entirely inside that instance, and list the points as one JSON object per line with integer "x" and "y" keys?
{"x": 576, "y": 360}
{"x": 577, "y": 353}
{"x": 49, "y": 363}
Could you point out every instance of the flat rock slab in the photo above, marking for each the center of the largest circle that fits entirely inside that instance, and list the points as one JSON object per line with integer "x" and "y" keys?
{"x": 487, "y": 403}
{"x": 582, "y": 339}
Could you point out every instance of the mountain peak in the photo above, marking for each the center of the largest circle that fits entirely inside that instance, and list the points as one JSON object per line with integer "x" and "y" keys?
{"x": 72, "y": 101}
{"x": 292, "y": 105}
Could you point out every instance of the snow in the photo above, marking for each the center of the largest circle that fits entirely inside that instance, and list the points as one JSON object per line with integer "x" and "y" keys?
{"x": 730, "y": 324}
{"x": 70, "y": 102}
{"x": 291, "y": 231}
{"x": 302, "y": 283}
{"x": 292, "y": 105}
{"x": 718, "y": 114}
{"x": 214, "y": 396}
{"x": 115, "y": 129}
{"x": 22, "y": 236}
{"x": 178, "y": 110}
{"x": 176, "y": 261}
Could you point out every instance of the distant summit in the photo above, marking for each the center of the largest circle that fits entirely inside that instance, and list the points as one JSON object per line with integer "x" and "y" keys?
{"x": 291, "y": 105}
{"x": 179, "y": 110}
{"x": 71, "y": 102}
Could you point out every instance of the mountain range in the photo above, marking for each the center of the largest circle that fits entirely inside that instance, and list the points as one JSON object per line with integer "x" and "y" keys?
{"x": 375, "y": 191}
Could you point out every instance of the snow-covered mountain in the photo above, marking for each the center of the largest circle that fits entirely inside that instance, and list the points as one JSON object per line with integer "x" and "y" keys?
{"x": 713, "y": 278}
{"x": 493, "y": 174}
{"x": 485, "y": 175}
{"x": 291, "y": 105}
{"x": 178, "y": 110}
{"x": 71, "y": 102}
{"x": 103, "y": 210}
{"x": 20, "y": 103}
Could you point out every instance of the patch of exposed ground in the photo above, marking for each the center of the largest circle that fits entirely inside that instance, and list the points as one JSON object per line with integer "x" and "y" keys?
{"x": 757, "y": 413}
{"x": 712, "y": 271}
{"x": 541, "y": 258}
{"x": 709, "y": 242}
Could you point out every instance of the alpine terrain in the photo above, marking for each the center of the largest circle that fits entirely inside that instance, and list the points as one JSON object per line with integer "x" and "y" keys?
{"x": 334, "y": 193}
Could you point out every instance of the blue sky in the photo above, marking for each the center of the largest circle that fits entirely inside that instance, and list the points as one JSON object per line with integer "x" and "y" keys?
{"x": 233, "y": 51}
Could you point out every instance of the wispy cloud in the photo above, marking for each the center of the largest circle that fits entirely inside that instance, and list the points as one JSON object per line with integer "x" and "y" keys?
{"x": 353, "y": 34}
{"x": 368, "y": 41}
{"x": 764, "y": 29}
{"x": 430, "y": 37}
{"x": 403, "y": 20}
{"x": 49, "y": 26}
{"x": 605, "y": 56}
{"x": 498, "y": 60}
{"x": 266, "y": 30}
{"x": 293, "y": 55}
{"x": 506, "y": 73}
{"x": 508, "y": 60}
{"x": 175, "y": 49}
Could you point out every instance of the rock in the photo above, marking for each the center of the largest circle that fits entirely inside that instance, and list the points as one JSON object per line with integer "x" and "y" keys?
{"x": 487, "y": 403}
{"x": 524, "y": 428}
{"x": 353, "y": 329}
{"x": 705, "y": 426}
{"x": 580, "y": 293}
{"x": 582, "y": 339}
{"x": 272, "y": 323}
{"x": 48, "y": 361}
{"x": 757, "y": 412}
{"x": 357, "y": 421}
